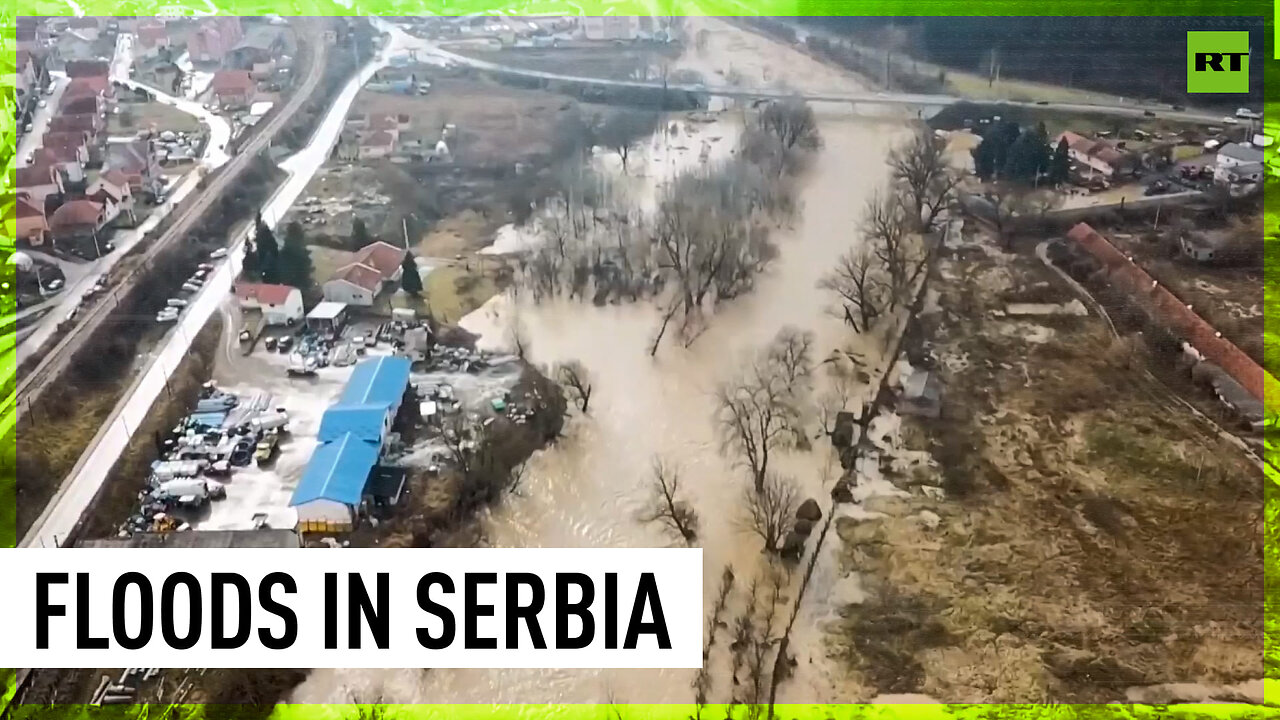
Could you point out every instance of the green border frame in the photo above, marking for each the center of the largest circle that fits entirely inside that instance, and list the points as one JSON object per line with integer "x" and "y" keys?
{"x": 1258, "y": 8}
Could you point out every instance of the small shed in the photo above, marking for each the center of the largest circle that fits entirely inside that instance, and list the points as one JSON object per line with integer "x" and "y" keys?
{"x": 327, "y": 318}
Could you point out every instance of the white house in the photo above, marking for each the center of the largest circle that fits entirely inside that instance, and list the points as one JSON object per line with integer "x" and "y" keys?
{"x": 372, "y": 268}
{"x": 355, "y": 284}
{"x": 280, "y": 304}
{"x": 1233, "y": 154}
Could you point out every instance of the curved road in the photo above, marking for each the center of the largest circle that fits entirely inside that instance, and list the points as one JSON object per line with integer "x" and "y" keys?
{"x": 428, "y": 51}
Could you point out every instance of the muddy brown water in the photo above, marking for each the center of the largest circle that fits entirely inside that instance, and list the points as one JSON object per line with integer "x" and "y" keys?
{"x": 592, "y": 488}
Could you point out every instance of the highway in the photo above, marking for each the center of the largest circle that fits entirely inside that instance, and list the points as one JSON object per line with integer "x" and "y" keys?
{"x": 428, "y": 51}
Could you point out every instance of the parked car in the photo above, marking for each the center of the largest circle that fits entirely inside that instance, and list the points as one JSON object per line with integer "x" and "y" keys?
{"x": 54, "y": 285}
{"x": 1148, "y": 113}
{"x": 176, "y": 303}
{"x": 1230, "y": 120}
{"x": 1042, "y": 102}
{"x": 190, "y": 287}
{"x": 269, "y": 344}
{"x": 266, "y": 447}
{"x": 1248, "y": 114}
{"x": 285, "y": 343}
{"x": 243, "y": 452}
{"x": 1178, "y": 108}
{"x": 218, "y": 254}
{"x": 205, "y": 266}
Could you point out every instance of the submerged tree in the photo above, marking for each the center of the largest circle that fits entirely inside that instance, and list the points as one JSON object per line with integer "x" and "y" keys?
{"x": 771, "y": 509}
{"x": 574, "y": 378}
{"x": 667, "y": 507}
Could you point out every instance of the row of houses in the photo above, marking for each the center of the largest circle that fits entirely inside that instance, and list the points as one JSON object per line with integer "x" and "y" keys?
{"x": 56, "y": 202}
{"x": 344, "y": 472}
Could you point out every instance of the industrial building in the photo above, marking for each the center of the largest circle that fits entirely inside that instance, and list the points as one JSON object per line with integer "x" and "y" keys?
{"x": 353, "y": 435}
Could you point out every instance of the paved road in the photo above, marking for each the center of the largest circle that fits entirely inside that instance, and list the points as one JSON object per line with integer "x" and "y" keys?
{"x": 33, "y": 140}
{"x": 429, "y": 52}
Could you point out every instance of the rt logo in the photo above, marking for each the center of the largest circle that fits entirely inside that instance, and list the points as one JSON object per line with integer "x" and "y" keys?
{"x": 1218, "y": 62}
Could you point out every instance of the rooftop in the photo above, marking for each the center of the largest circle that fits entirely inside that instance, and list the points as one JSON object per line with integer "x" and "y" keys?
{"x": 327, "y": 310}
{"x": 361, "y": 276}
{"x": 377, "y": 381}
{"x": 383, "y": 257}
{"x": 361, "y": 421}
{"x": 265, "y": 293}
{"x": 338, "y": 471}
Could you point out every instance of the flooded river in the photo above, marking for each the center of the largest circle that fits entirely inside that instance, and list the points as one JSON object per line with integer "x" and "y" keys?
{"x": 591, "y": 489}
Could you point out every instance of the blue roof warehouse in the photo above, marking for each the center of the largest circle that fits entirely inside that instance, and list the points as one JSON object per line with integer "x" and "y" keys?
{"x": 353, "y": 434}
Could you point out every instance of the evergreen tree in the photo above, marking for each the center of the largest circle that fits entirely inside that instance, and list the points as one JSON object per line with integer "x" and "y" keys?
{"x": 268, "y": 251}
{"x": 249, "y": 267}
{"x": 295, "y": 261}
{"x": 1060, "y": 165}
{"x": 410, "y": 280}
{"x": 359, "y": 235}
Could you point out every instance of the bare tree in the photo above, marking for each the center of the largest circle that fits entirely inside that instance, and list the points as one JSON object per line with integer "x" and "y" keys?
{"x": 887, "y": 227}
{"x": 622, "y": 129}
{"x": 858, "y": 282}
{"x": 518, "y": 338}
{"x": 667, "y": 507}
{"x": 771, "y": 509}
{"x": 1008, "y": 201}
{"x": 792, "y": 353}
{"x": 574, "y": 378}
{"x": 753, "y": 416}
{"x": 929, "y": 182}
{"x": 792, "y": 122}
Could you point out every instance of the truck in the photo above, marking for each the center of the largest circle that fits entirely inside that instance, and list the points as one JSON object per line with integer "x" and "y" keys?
{"x": 267, "y": 446}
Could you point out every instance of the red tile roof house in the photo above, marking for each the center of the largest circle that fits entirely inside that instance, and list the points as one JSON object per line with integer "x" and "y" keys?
{"x": 32, "y": 227}
{"x": 214, "y": 38}
{"x": 82, "y": 104}
{"x": 39, "y": 182}
{"x": 1098, "y": 155}
{"x": 67, "y": 146}
{"x": 96, "y": 86}
{"x": 280, "y": 304}
{"x": 152, "y": 36}
{"x": 84, "y": 122}
{"x": 78, "y": 222}
{"x": 386, "y": 258}
{"x": 354, "y": 285}
{"x": 233, "y": 88}
{"x": 112, "y": 190}
{"x": 137, "y": 161}
{"x": 1168, "y": 309}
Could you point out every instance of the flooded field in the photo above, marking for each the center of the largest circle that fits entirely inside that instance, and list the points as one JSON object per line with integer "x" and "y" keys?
{"x": 592, "y": 488}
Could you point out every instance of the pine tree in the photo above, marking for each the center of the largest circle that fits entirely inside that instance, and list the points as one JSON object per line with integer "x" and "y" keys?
{"x": 410, "y": 280}
{"x": 249, "y": 267}
{"x": 359, "y": 235}
{"x": 1060, "y": 165}
{"x": 268, "y": 251}
{"x": 295, "y": 260}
